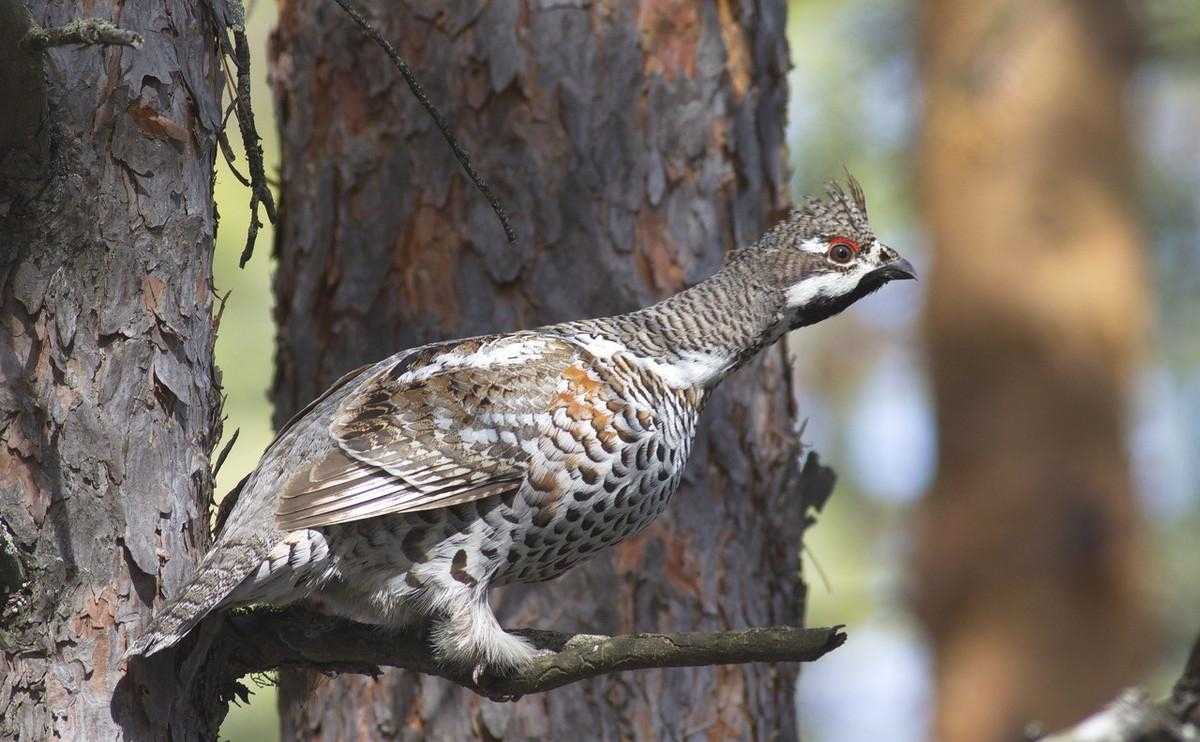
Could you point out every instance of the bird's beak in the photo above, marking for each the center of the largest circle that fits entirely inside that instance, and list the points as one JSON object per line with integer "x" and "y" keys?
{"x": 895, "y": 270}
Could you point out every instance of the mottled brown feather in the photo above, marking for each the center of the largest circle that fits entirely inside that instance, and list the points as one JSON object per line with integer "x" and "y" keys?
{"x": 429, "y": 436}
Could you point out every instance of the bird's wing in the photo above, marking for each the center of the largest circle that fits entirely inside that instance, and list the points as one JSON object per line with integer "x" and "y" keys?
{"x": 441, "y": 426}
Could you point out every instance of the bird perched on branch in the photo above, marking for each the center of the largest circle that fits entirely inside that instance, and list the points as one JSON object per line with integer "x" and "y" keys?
{"x": 413, "y": 485}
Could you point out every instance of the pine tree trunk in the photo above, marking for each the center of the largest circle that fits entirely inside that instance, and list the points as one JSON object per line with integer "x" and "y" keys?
{"x": 633, "y": 146}
{"x": 1028, "y": 560}
{"x": 108, "y": 400}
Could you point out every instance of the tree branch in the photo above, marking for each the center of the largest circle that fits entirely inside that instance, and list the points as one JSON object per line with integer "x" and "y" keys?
{"x": 83, "y": 31}
{"x": 1134, "y": 717}
{"x": 1187, "y": 689}
{"x": 262, "y": 639}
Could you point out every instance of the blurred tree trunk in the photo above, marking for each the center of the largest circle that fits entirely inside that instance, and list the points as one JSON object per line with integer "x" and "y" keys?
{"x": 1029, "y": 555}
{"x": 633, "y": 147}
{"x": 108, "y": 402}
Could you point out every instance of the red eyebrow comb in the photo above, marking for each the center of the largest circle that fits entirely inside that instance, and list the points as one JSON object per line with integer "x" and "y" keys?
{"x": 845, "y": 241}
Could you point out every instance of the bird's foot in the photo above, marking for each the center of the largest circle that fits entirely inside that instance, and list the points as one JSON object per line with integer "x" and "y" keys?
{"x": 486, "y": 685}
{"x": 490, "y": 679}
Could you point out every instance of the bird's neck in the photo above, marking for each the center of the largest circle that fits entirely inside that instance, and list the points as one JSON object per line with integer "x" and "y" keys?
{"x": 699, "y": 336}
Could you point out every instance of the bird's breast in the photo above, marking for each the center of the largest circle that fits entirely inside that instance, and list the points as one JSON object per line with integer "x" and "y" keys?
{"x": 612, "y": 457}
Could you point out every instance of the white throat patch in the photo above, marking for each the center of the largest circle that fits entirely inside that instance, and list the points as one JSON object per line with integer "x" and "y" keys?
{"x": 826, "y": 285}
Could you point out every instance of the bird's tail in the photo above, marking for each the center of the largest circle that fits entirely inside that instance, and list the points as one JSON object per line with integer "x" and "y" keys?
{"x": 216, "y": 579}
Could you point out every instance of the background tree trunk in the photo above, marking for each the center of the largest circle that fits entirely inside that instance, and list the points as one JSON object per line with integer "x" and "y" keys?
{"x": 108, "y": 401}
{"x": 633, "y": 145}
{"x": 1028, "y": 557}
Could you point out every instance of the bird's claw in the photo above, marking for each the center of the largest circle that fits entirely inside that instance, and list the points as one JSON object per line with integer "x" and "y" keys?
{"x": 482, "y": 680}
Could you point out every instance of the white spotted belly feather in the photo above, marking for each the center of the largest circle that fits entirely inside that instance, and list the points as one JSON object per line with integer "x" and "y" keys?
{"x": 605, "y": 469}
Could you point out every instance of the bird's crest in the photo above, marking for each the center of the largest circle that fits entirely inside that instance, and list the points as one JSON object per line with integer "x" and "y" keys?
{"x": 842, "y": 212}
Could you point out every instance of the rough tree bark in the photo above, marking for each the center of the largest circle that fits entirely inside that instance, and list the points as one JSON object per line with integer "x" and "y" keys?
{"x": 633, "y": 144}
{"x": 108, "y": 400}
{"x": 1028, "y": 559}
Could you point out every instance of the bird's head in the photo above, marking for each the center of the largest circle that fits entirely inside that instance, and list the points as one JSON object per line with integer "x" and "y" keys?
{"x": 824, "y": 256}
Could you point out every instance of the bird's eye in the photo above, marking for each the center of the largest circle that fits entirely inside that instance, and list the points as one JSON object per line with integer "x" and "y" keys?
{"x": 842, "y": 250}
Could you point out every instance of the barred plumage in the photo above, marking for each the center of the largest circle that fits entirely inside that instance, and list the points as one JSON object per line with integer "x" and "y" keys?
{"x": 416, "y": 483}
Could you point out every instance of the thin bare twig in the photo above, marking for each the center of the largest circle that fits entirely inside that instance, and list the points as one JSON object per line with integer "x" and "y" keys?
{"x": 463, "y": 158}
{"x": 1189, "y": 680}
{"x": 230, "y": 158}
{"x": 251, "y": 233}
{"x": 1133, "y": 717}
{"x": 227, "y": 149}
{"x": 1185, "y": 696}
{"x": 225, "y": 452}
{"x": 82, "y": 31}
{"x": 223, "y": 300}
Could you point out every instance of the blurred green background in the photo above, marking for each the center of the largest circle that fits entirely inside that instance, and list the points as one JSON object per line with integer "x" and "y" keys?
{"x": 856, "y": 101}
